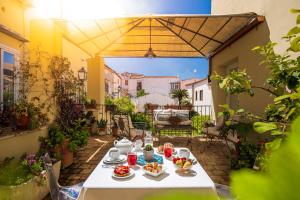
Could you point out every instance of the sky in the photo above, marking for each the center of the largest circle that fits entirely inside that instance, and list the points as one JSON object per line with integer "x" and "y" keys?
{"x": 184, "y": 67}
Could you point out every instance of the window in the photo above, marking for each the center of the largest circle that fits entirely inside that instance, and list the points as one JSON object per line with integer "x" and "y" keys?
{"x": 106, "y": 88}
{"x": 8, "y": 89}
{"x": 126, "y": 82}
{"x": 139, "y": 85}
{"x": 175, "y": 86}
{"x": 196, "y": 96}
{"x": 201, "y": 95}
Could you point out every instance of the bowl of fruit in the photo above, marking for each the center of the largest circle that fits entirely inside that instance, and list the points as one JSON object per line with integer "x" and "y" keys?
{"x": 183, "y": 163}
{"x": 154, "y": 169}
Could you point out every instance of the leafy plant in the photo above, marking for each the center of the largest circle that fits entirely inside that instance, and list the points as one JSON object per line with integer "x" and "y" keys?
{"x": 102, "y": 123}
{"x": 138, "y": 118}
{"x": 141, "y": 93}
{"x": 246, "y": 155}
{"x": 283, "y": 84}
{"x": 148, "y": 147}
{"x": 280, "y": 181}
{"x": 16, "y": 172}
{"x": 78, "y": 137}
{"x": 124, "y": 105}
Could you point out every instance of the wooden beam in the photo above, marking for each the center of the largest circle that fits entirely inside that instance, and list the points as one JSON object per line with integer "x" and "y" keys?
{"x": 141, "y": 20}
{"x": 191, "y": 31}
{"x": 83, "y": 33}
{"x": 256, "y": 21}
{"x": 12, "y": 33}
{"x": 112, "y": 30}
{"x": 216, "y": 33}
{"x": 196, "y": 49}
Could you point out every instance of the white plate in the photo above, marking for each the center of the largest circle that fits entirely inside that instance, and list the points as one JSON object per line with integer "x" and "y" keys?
{"x": 155, "y": 174}
{"x": 121, "y": 159}
{"x": 131, "y": 173}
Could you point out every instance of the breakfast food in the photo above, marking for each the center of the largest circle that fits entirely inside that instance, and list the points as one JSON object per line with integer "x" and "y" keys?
{"x": 153, "y": 167}
{"x": 122, "y": 171}
{"x": 182, "y": 163}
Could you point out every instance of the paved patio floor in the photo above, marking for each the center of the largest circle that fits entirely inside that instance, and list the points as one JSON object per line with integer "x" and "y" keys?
{"x": 213, "y": 156}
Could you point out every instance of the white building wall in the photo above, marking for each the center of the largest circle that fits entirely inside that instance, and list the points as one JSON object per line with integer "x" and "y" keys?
{"x": 203, "y": 106}
{"x": 152, "y": 85}
{"x": 153, "y": 98}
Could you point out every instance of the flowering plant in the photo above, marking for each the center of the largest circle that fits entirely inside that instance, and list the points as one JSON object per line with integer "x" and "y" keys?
{"x": 33, "y": 164}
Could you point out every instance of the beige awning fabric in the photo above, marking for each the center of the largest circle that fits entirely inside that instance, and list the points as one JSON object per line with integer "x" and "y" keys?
{"x": 166, "y": 35}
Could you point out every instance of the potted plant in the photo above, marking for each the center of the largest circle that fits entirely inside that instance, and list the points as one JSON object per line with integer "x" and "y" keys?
{"x": 21, "y": 115}
{"x": 102, "y": 126}
{"x": 90, "y": 103}
{"x": 109, "y": 104}
{"x": 148, "y": 152}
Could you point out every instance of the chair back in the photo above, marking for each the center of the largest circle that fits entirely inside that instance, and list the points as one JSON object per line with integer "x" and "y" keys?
{"x": 53, "y": 184}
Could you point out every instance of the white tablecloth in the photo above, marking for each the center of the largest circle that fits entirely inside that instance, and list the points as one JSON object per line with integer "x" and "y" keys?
{"x": 100, "y": 184}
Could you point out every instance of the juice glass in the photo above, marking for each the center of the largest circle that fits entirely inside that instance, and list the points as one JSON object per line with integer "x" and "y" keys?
{"x": 168, "y": 150}
{"x": 131, "y": 158}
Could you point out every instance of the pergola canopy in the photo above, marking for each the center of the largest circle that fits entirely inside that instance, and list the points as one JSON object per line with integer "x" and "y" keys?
{"x": 166, "y": 35}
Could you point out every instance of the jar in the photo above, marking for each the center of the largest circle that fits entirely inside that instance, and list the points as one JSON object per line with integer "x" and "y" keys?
{"x": 148, "y": 138}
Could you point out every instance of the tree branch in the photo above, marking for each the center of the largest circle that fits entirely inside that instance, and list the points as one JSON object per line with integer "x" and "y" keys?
{"x": 265, "y": 89}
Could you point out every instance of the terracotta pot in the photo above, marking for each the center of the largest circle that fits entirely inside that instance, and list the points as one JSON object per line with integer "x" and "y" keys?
{"x": 23, "y": 122}
{"x": 114, "y": 131}
{"x": 102, "y": 131}
{"x": 67, "y": 156}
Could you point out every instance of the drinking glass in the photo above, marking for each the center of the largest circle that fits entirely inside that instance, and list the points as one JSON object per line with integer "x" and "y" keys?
{"x": 168, "y": 150}
{"x": 131, "y": 158}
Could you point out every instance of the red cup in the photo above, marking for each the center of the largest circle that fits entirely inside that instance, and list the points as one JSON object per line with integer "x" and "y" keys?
{"x": 131, "y": 158}
{"x": 168, "y": 152}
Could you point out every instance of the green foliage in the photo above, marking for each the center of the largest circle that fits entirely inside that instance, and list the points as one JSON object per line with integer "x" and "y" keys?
{"x": 235, "y": 83}
{"x": 16, "y": 172}
{"x": 137, "y": 118}
{"x": 283, "y": 84}
{"x": 198, "y": 122}
{"x": 78, "y": 137}
{"x": 282, "y": 179}
{"x": 12, "y": 172}
{"x": 148, "y": 147}
{"x": 262, "y": 127}
{"x": 180, "y": 95}
{"x": 124, "y": 105}
{"x": 141, "y": 93}
{"x": 247, "y": 154}
{"x": 109, "y": 100}
{"x": 102, "y": 123}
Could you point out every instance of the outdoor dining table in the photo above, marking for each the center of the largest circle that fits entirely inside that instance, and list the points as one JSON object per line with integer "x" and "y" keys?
{"x": 101, "y": 185}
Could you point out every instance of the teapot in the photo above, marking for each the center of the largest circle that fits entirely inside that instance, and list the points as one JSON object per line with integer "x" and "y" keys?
{"x": 123, "y": 145}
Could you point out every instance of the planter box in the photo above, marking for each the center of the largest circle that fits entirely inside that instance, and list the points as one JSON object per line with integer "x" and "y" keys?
{"x": 23, "y": 142}
{"x": 30, "y": 190}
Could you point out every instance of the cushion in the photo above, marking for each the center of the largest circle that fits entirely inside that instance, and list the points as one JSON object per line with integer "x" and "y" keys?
{"x": 72, "y": 192}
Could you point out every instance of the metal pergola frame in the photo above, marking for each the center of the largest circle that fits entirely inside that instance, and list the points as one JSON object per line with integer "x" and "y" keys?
{"x": 170, "y": 38}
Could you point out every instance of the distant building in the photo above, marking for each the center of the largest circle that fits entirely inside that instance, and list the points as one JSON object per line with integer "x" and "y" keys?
{"x": 163, "y": 85}
{"x": 184, "y": 83}
{"x": 201, "y": 97}
{"x": 113, "y": 82}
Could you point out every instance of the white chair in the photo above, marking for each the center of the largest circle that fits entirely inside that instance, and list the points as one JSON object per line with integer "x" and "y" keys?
{"x": 58, "y": 192}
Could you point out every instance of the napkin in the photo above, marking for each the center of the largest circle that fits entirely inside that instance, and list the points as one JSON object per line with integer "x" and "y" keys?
{"x": 156, "y": 158}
